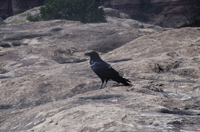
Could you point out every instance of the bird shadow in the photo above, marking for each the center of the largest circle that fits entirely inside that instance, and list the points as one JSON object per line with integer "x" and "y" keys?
{"x": 120, "y": 85}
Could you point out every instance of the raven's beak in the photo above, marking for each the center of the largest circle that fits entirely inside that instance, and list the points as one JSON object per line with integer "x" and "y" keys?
{"x": 87, "y": 54}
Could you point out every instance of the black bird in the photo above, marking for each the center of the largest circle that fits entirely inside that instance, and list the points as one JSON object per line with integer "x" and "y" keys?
{"x": 104, "y": 70}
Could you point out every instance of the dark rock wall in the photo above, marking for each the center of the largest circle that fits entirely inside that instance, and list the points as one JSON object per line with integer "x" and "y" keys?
{"x": 5, "y": 8}
{"x": 12, "y": 7}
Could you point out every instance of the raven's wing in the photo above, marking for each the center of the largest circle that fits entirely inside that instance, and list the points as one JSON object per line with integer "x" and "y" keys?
{"x": 104, "y": 70}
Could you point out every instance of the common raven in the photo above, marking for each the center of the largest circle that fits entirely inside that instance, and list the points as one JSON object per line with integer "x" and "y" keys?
{"x": 104, "y": 70}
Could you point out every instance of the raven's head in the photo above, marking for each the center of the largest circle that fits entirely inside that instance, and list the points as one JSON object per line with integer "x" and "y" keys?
{"x": 93, "y": 55}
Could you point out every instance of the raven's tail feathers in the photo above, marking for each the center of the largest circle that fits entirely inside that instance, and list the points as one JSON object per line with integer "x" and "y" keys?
{"x": 124, "y": 81}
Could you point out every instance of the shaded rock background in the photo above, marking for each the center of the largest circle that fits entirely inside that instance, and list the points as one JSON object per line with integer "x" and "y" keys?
{"x": 46, "y": 82}
{"x": 166, "y": 13}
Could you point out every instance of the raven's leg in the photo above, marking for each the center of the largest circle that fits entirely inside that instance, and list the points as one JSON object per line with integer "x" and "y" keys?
{"x": 101, "y": 84}
{"x": 105, "y": 83}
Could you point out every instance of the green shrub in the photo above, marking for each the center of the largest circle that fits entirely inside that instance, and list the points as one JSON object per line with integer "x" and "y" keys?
{"x": 86, "y": 11}
{"x": 33, "y": 18}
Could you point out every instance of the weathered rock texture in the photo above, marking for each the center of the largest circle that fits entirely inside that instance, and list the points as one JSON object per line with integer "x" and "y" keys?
{"x": 46, "y": 83}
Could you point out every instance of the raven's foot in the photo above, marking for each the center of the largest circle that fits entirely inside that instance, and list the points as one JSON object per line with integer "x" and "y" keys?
{"x": 102, "y": 87}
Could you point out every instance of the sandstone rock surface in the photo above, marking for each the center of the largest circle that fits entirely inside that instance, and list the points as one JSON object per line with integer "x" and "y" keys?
{"x": 46, "y": 83}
